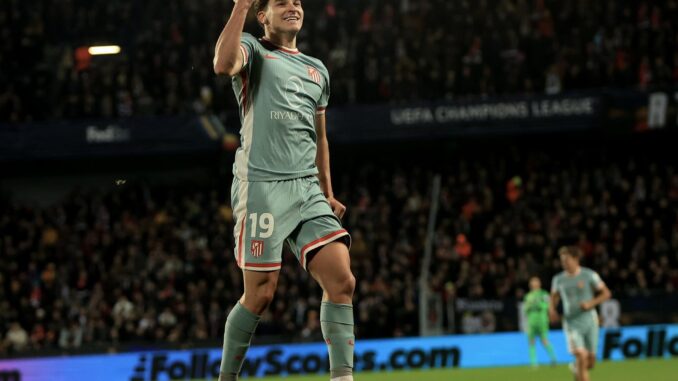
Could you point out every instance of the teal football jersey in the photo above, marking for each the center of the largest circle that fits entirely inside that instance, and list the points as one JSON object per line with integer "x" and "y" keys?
{"x": 280, "y": 92}
{"x": 576, "y": 289}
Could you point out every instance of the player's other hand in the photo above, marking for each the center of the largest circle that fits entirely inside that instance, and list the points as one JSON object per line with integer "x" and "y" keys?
{"x": 585, "y": 306}
{"x": 553, "y": 315}
{"x": 337, "y": 208}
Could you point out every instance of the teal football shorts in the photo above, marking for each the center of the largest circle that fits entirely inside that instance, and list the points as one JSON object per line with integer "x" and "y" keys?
{"x": 271, "y": 213}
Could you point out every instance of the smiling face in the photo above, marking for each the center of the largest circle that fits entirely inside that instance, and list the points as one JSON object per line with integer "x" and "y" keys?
{"x": 281, "y": 16}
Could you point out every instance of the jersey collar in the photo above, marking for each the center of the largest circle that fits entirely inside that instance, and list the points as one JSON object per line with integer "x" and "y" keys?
{"x": 281, "y": 48}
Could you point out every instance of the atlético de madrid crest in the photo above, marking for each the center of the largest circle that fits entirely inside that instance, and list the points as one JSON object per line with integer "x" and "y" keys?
{"x": 314, "y": 74}
{"x": 257, "y": 248}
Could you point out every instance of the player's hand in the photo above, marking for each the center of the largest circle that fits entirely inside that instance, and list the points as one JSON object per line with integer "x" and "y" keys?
{"x": 585, "y": 306}
{"x": 337, "y": 208}
{"x": 245, "y": 3}
{"x": 553, "y": 315}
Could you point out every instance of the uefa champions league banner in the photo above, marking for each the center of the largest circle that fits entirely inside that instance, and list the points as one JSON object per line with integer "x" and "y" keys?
{"x": 528, "y": 114}
{"x": 464, "y": 351}
{"x": 613, "y": 110}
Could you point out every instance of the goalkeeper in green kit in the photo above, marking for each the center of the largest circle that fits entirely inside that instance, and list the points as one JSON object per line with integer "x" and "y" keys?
{"x": 536, "y": 308}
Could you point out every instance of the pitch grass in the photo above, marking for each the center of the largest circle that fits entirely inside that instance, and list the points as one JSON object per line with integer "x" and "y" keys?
{"x": 652, "y": 370}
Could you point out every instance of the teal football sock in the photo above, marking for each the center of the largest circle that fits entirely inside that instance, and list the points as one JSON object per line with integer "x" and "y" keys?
{"x": 240, "y": 327}
{"x": 336, "y": 322}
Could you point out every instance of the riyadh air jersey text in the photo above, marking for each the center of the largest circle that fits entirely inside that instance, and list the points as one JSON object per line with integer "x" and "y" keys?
{"x": 280, "y": 92}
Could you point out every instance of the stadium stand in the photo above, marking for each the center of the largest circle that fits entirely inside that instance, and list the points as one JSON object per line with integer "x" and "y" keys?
{"x": 376, "y": 51}
{"x": 144, "y": 264}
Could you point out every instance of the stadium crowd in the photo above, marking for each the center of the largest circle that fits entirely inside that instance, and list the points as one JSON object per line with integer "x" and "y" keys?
{"x": 154, "y": 265}
{"x": 376, "y": 51}
{"x": 622, "y": 213}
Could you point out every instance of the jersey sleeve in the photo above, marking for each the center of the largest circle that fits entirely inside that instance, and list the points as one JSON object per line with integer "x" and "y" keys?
{"x": 554, "y": 285}
{"x": 325, "y": 96}
{"x": 595, "y": 281}
{"x": 249, "y": 46}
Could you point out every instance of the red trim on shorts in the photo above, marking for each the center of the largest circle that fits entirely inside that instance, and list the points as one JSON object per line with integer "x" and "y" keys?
{"x": 263, "y": 265}
{"x": 325, "y": 238}
{"x": 240, "y": 253}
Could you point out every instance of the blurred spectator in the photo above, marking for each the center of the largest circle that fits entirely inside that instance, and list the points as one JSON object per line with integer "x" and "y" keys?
{"x": 513, "y": 189}
{"x": 311, "y": 331}
{"x": 123, "y": 310}
{"x": 16, "y": 338}
{"x": 167, "y": 319}
{"x": 70, "y": 336}
{"x": 462, "y": 247}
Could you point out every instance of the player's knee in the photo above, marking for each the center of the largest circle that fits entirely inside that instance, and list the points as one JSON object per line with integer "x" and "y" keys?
{"x": 266, "y": 293}
{"x": 343, "y": 286}
{"x": 350, "y": 284}
{"x": 260, "y": 298}
{"x": 591, "y": 361}
{"x": 347, "y": 284}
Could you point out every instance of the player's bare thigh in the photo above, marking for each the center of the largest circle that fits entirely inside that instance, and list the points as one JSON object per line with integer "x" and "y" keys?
{"x": 331, "y": 268}
{"x": 260, "y": 289}
{"x": 582, "y": 366}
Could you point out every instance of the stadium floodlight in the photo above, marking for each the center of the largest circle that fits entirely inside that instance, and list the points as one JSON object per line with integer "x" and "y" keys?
{"x": 103, "y": 50}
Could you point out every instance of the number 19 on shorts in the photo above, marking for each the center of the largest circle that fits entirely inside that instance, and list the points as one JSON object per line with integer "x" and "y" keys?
{"x": 262, "y": 224}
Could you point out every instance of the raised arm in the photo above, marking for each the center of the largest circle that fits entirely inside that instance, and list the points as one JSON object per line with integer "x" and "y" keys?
{"x": 228, "y": 55}
{"x": 322, "y": 161}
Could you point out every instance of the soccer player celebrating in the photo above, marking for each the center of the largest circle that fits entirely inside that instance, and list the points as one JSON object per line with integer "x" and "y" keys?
{"x": 282, "y": 190}
{"x": 577, "y": 286}
{"x": 536, "y": 308}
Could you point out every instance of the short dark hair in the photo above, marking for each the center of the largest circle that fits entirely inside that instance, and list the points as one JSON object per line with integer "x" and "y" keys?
{"x": 260, "y": 5}
{"x": 572, "y": 251}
